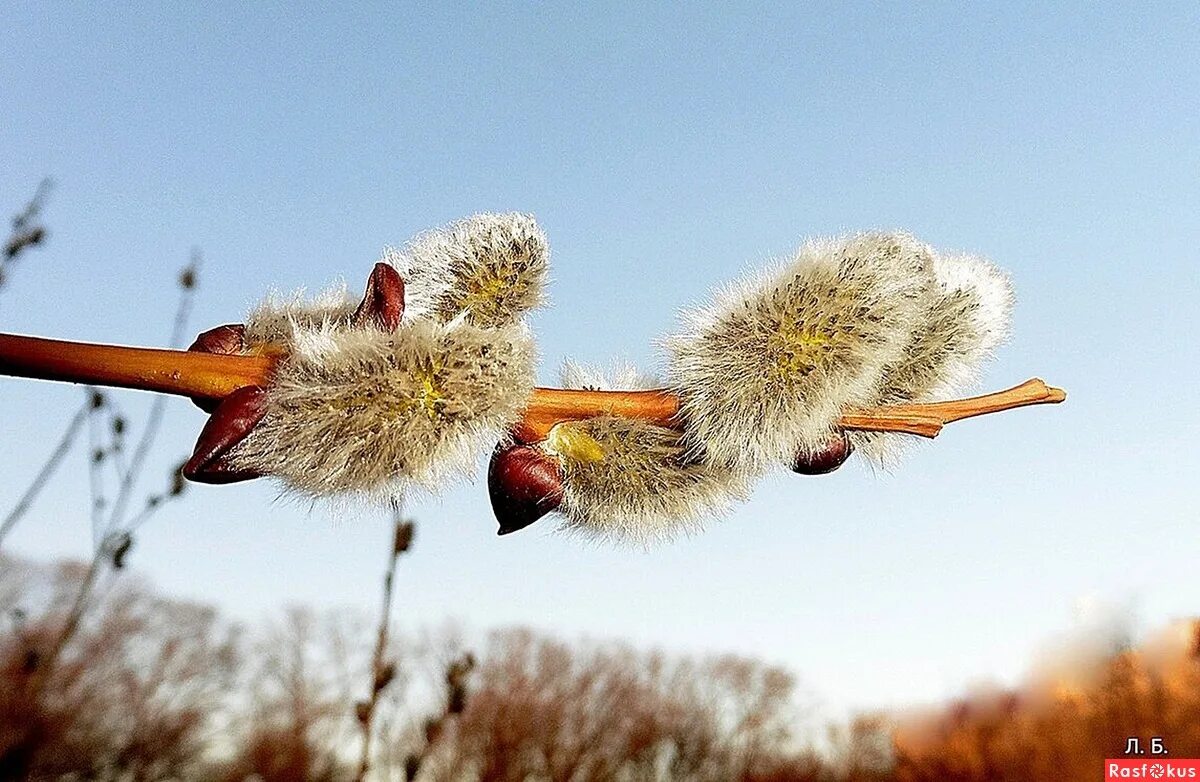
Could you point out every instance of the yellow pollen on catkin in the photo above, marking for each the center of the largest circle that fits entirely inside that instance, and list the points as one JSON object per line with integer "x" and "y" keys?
{"x": 430, "y": 396}
{"x": 483, "y": 295}
{"x": 798, "y": 350}
{"x": 487, "y": 288}
{"x": 574, "y": 443}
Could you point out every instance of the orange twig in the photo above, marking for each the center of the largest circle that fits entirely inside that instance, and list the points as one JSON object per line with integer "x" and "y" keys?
{"x": 549, "y": 406}
{"x": 210, "y": 376}
{"x": 1031, "y": 392}
{"x": 179, "y": 372}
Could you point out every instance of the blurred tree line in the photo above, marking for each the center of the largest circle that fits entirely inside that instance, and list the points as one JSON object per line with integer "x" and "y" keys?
{"x": 151, "y": 688}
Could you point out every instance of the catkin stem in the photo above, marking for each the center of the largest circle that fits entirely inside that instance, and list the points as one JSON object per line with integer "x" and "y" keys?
{"x": 212, "y": 376}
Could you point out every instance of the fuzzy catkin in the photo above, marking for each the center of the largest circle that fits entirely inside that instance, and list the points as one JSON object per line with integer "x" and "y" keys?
{"x": 279, "y": 320}
{"x": 489, "y": 268}
{"x": 369, "y": 412}
{"x": 967, "y": 317}
{"x": 353, "y": 409}
{"x": 645, "y": 486}
{"x": 765, "y": 371}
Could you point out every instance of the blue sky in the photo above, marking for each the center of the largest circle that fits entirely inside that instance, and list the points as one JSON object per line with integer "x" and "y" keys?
{"x": 664, "y": 150}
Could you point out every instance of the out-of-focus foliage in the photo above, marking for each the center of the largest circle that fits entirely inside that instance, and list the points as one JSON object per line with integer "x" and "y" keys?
{"x": 134, "y": 694}
{"x": 151, "y": 688}
{"x": 292, "y": 716}
{"x": 1061, "y": 724}
{"x": 542, "y": 709}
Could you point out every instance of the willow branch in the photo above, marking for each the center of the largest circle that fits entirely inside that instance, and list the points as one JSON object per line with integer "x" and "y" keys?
{"x": 202, "y": 375}
{"x": 212, "y": 376}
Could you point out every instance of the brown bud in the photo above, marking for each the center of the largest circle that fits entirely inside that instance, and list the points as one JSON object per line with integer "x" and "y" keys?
{"x": 229, "y": 339}
{"x": 403, "y": 539}
{"x": 231, "y": 422}
{"x": 187, "y": 278}
{"x": 384, "y": 675}
{"x": 832, "y": 456}
{"x": 524, "y": 483}
{"x": 119, "y": 547}
{"x": 383, "y": 303}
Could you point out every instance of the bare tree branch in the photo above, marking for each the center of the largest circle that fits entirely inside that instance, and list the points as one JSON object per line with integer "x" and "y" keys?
{"x": 383, "y": 671}
{"x": 27, "y": 231}
{"x": 47, "y": 470}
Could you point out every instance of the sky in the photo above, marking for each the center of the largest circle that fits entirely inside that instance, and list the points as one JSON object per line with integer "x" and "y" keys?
{"x": 665, "y": 149}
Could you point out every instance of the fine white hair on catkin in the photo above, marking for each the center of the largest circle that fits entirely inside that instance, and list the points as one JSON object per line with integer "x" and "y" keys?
{"x": 967, "y": 318}
{"x": 618, "y": 376}
{"x": 492, "y": 268}
{"x": 765, "y": 371}
{"x": 990, "y": 312}
{"x": 634, "y": 481}
{"x": 372, "y": 413}
{"x": 278, "y": 319}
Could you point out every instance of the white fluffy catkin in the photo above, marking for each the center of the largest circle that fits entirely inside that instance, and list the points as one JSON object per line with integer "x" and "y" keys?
{"x": 280, "y": 320}
{"x": 766, "y": 369}
{"x": 489, "y": 268}
{"x": 967, "y": 317}
{"x": 369, "y": 412}
{"x": 633, "y": 481}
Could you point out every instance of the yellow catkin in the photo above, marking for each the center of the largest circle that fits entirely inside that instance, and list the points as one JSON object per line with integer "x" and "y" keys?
{"x": 570, "y": 441}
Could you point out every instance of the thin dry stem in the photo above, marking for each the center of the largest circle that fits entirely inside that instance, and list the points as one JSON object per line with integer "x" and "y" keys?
{"x": 212, "y": 376}
{"x": 402, "y": 531}
{"x": 44, "y": 474}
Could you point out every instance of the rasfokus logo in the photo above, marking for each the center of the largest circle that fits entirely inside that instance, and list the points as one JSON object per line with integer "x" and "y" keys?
{"x": 1129, "y": 768}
